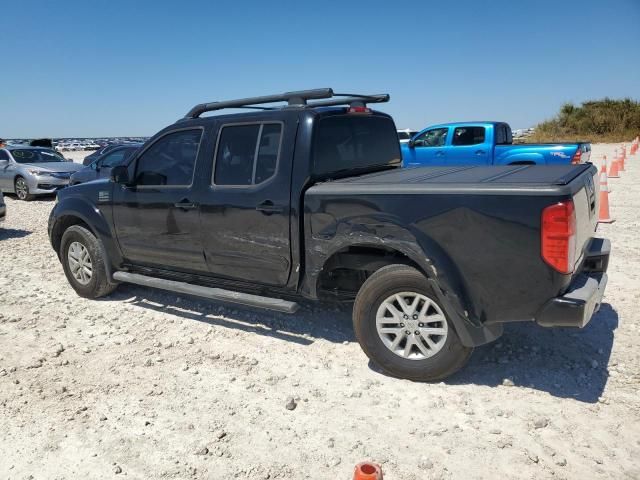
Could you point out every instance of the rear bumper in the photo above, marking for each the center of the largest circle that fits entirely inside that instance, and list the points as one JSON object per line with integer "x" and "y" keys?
{"x": 583, "y": 297}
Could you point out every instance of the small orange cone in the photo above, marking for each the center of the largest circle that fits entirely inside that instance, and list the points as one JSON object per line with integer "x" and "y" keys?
{"x": 603, "y": 214}
{"x": 604, "y": 183}
{"x": 367, "y": 471}
{"x": 613, "y": 169}
{"x": 623, "y": 155}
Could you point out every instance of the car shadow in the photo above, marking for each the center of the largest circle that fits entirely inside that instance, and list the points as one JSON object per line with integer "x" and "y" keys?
{"x": 563, "y": 362}
{"x": 303, "y": 327}
{"x": 7, "y": 233}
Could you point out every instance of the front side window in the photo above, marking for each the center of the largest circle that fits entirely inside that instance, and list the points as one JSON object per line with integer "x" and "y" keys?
{"x": 436, "y": 137}
{"x": 4, "y": 155}
{"x": 170, "y": 161}
{"x": 468, "y": 136}
{"x": 247, "y": 154}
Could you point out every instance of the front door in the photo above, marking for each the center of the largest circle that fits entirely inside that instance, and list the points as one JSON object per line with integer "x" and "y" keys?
{"x": 156, "y": 219}
{"x": 245, "y": 215}
{"x": 427, "y": 148}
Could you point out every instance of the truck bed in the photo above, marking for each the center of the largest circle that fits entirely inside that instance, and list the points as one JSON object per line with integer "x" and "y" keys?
{"x": 504, "y": 180}
{"x": 484, "y": 220}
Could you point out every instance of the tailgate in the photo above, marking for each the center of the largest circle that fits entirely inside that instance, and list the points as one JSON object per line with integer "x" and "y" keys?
{"x": 586, "y": 203}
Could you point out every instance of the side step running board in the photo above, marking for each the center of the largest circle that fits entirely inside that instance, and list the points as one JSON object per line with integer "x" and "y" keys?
{"x": 208, "y": 292}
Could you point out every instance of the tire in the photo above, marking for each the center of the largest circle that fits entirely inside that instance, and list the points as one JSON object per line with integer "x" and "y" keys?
{"x": 22, "y": 189}
{"x": 377, "y": 313}
{"x": 81, "y": 244}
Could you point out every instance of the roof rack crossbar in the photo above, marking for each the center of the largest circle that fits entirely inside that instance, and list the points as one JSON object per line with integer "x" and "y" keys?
{"x": 353, "y": 101}
{"x": 292, "y": 98}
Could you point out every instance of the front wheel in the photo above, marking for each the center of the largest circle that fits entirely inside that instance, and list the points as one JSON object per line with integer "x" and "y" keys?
{"x": 22, "y": 189}
{"x": 403, "y": 329}
{"x": 83, "y": 263}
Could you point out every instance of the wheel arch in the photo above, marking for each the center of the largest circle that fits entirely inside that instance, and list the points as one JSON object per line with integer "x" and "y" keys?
{"x": 74, "y": 211}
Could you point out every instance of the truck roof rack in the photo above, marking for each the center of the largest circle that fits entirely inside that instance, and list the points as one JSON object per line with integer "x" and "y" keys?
{"x": 293, "y": 99}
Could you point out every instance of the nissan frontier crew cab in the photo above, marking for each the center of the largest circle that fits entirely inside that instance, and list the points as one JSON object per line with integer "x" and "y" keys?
{"x": 307, "y": 199}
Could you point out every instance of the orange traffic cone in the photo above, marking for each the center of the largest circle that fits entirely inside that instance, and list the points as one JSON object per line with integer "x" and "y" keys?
{"x": 604, "y": 181}
{"x": 623, "y": 155}
{"x": 613, "y": 170}
{"x": 603, "y": 214}
{"x": 367, "y": 471}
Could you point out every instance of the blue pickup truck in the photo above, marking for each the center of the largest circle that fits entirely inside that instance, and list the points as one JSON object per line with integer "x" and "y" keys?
{"x": 485, "y": 143}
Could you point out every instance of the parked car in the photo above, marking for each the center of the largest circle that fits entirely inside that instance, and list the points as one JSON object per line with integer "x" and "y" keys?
{"x": 264, "y": 207}
{"x": 100, "y": 152}
{"x": 101, "y": 167}
{"x": 405, "y": 135}
{"x": 486, "y": 143}
{"x": 30, "y": 171}
{"x": 3, "y": 208}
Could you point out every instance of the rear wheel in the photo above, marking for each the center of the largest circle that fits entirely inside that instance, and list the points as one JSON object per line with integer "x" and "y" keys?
{"x": 83, "y": 263}
{"x": 403, "y": 329}
{"x": 22, "y": 189}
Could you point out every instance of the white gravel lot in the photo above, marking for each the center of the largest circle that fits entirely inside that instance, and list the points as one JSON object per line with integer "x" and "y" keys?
{"x": 146, "y": 384}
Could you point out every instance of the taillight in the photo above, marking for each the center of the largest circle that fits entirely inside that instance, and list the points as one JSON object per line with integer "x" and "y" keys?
{"x": 577, "y": 157}
{"x": 558, "y": 235}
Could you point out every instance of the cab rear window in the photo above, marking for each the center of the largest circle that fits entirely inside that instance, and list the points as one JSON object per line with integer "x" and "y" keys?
{"x": 352, "y": 142}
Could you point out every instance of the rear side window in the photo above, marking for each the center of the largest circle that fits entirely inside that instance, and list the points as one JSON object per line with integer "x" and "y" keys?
{"x": 347, "y": 142}
{"x": 468, "y": 136}
{"x": 247, "y": 154}
{"x": 170, "y": 161}
{"x": 4, "y": 155}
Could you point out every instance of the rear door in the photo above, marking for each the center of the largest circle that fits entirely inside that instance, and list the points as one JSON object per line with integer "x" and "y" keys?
{"x": 428, "y": 148}
{"x": 156, "y": 219}
{"x": 469, "y": 146}
{"x": 245, "y": 214}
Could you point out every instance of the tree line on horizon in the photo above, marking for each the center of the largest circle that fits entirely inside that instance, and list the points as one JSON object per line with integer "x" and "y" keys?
{"x": 603, "y": 120}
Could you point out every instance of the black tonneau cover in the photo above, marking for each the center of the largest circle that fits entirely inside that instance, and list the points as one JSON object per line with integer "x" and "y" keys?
{"x": 506, "y": 180}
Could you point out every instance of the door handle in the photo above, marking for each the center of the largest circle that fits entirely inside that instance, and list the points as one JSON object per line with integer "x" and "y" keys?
{"x": 440, "y": 153}
{"x": 267, "y": 207}
{"x": 185, "y": 205}
{"x": 479, "y": 152}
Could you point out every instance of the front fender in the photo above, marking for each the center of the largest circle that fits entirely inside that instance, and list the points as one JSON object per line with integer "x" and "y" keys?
{"x": 78, "y": 209}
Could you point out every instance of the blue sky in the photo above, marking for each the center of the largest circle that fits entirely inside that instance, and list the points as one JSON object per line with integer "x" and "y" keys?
{"x": 102, "y": 68}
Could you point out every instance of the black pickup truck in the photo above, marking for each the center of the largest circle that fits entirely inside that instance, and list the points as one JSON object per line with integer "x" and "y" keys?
{"x": 307, "y": 199}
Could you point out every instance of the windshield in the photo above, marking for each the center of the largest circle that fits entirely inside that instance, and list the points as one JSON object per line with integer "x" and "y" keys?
{"x": 36, "y": 155}
{"x": 354, "y": 142}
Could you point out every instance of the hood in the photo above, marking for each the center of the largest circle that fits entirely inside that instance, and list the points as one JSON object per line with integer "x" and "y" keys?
{"x": 55, "y": 166}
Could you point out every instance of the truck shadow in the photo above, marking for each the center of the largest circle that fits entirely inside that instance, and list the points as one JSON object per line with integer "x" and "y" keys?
{"x": 7, "y": 233}
{"x": 311, "y": 322}
{"x": 566, "y": 363}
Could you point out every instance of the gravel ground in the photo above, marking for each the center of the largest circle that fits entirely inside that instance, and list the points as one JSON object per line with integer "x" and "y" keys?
{"x": 146, "y": 384}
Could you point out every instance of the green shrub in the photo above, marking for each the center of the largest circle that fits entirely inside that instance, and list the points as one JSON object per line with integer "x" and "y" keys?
{"x": 596, "y": 121}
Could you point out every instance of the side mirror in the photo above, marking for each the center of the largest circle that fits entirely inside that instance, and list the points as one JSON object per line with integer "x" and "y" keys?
{"x": 120, "y": 174}
{"x": 412, "y": 143}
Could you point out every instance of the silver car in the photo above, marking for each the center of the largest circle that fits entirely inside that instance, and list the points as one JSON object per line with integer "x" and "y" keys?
{"x": 30, "y": 171}
{"x": 3, "y": 208}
